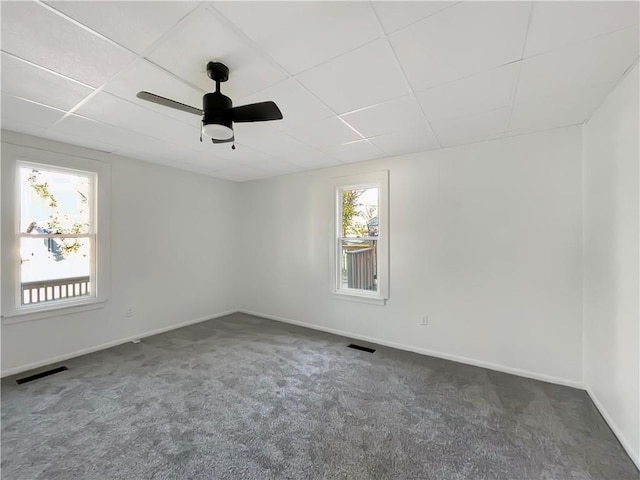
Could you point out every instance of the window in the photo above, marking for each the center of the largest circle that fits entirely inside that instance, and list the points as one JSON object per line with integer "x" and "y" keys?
{"x": 58, "y": 256}
{"x": 361, "y": 237}
{"x": 57, "y": 234}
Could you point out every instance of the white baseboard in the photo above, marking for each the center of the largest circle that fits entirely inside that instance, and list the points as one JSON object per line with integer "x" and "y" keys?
{"x": 379, "y": 341}
{"x": 104, "y": 346}
{"x": 635, "y": 456}
{"x": 424, "y": 351}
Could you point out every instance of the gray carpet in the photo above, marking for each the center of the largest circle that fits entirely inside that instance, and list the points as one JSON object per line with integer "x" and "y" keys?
{"x": 246, "y": 398}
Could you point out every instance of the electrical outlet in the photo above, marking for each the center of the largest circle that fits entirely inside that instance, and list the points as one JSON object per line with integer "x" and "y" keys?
{"x": 129, "y": 313}
{"x": 424, "y": 321}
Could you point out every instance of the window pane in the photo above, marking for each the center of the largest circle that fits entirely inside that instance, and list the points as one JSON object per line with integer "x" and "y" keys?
{"x": 358, "y": 264}
{"x": 54, "y": 268}
{"x": 53, "y": 202}
{"x": 360, "y": 213}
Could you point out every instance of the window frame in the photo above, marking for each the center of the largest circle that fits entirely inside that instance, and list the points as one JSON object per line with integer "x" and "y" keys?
{"x": 13, "y": 311}
{"x": 378, "y": 180}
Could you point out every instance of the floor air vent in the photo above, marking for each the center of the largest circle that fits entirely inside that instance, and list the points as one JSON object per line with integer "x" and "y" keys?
{"x": 360, "y": 347}
{"x": 37, "y": 376}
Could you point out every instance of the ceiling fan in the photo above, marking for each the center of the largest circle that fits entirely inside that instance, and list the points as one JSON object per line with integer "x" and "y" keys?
{"x": 218, "y": 113}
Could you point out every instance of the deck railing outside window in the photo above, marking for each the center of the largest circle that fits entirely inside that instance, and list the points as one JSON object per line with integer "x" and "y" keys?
{"x": 48, "y": 290}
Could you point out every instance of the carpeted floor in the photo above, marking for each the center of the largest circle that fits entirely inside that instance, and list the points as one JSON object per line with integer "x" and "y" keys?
{"x": 246, "y": 398}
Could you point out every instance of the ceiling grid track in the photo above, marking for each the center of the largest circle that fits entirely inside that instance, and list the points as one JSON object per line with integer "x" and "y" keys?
{"x": 622, "y": 77}
{"x": 368, "y": 79}
{"x": 516, "y": 79}
{"x": 404, "y": 74}
{"x": 284, "y": 71}
{"x": 137, "y": 58}
{"x": 255, "y": 46}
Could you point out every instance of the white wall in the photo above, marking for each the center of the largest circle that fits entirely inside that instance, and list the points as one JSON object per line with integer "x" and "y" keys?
{"x": 611, "y": 243}
{"x": 171, "y": 255}
{"x": 485, "y": 239}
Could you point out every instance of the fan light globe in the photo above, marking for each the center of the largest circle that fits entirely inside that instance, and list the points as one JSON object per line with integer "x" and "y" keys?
{"x": 217, "y": 132}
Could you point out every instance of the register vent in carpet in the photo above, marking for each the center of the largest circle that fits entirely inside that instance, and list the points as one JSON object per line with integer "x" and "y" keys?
{"x": 360, "y": 347}
{"x": 37, "y": 376}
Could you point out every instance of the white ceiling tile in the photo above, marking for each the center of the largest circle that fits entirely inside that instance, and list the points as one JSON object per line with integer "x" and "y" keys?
{"x": 25, "y": 80}
{"x": 78, "y": 127}
{"x": 83, "y": 132}
{"x": 151, "y": 157}
{"x": 600, "y": 60}
{"x": 312, "y": 158}
{"x": 478, "y": 93}
{"x": 241, "y": 155}
{"x": 354, "y": 152}
{"x": 556, "y": 24}
{"x": 161, "y": 152}
{"x": 360, "y": 78}
{"x": 16, "y": 112}
{"x": 406, "y": 141}
{"x": 387, "y": 117}
{"x": 322, "y": 30}
{"x": 297, "y": 105}
{"x": 81, "y": 128}
{"x": 331, "y": 131}
{"x": 275, "y": 166}
{"x": 467, "y": 38}
{"x": 109, "y": 109}
{"x": 259, "y": 20}
{"x": 197, "y": 168}
{"x": 203, "y": 38}
{"x": 398, "y": 14}
{"x": 157, "y": 151}
{"x": 543, "y": 115}
{"x": 266, "y": 139}
{"x": 177, "y": 155}
{"x": 240, "y": 173}
{"x": 80, "y": 142}
{"x": 569, "y": 108}
{"x": 32, "y": 32}
{"x": 211, "y": 162}
{"x": 135, "y": 25}
{"x": 144, "y": 76}
{"x": 482, "y": 126}
{"x": 22, "y": 127}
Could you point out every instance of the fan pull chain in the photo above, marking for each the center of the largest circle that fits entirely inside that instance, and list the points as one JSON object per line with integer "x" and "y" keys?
{"x": 201, "y": 128}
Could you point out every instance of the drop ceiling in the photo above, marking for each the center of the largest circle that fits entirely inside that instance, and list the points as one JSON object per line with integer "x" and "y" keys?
{"x": 354, "y": 80}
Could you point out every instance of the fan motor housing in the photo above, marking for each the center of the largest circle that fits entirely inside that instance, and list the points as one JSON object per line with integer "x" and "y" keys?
{"x": 216, "y": 109}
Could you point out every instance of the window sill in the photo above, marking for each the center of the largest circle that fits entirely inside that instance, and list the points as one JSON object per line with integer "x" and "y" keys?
{"x": 355, "y": 297}
{"x": 27, "y": 315}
